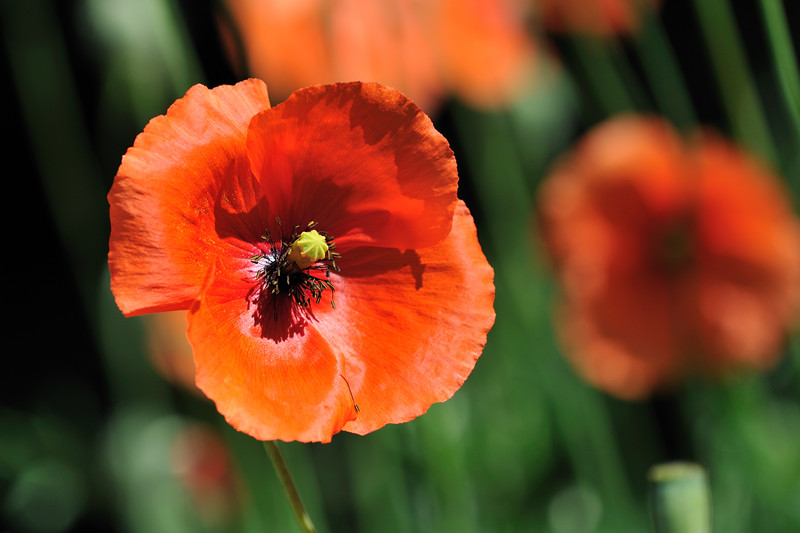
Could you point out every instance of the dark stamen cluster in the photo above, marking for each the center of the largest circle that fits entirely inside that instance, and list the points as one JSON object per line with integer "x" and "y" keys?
{"x": 281, "y": 276}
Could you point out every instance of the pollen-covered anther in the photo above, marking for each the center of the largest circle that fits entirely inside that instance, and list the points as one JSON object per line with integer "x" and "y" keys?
{"x": 309, "y": 248}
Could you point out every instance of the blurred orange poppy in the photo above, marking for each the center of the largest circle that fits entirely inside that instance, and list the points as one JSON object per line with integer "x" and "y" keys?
{"x": 478, "y": 49}
{"x": 597, "y": 17}
{"x": 228, "y": 208}
{"x": 672, "y": 257}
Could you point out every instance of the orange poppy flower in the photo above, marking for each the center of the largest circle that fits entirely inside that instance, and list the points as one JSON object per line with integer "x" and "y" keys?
{"x": 597, "y": 17}
{"x": 672, "y": 257}
{"x": 258, "y": 220}
{"x": 477, "y": 49}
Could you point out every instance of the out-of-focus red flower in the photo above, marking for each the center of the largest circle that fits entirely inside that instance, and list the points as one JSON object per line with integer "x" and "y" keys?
{"x": 258, "y": 219}
{"x": 202, "y": 463}
{"x": 595, "y": 17}
{"x": 479, "y": 50}
{"x": 672, "y": 257}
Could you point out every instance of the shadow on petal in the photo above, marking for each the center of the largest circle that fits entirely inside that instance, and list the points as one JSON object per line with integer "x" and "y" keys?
{"x": 277, "y": 317}
{"x": 366, "y": 261}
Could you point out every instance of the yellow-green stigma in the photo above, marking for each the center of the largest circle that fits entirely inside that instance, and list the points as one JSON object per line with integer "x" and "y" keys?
{"x": 309, "y": 248}
{"x": 298, "y": 266}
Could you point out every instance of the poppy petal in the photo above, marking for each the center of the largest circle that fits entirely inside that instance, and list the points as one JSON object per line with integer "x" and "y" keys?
{"x": 629, "y": 362}
{"x": 359, "y": 158}
{"x": 268, "y": 380}
{"x": 181, "y": 167}
{"x": 750, "y": 262}
{"x": 422, "y": 318}
{"x": 488, "y": 55}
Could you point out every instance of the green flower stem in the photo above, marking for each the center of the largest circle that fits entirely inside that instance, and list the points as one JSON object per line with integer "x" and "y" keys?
{"x": 578, "y": 413}
{"x": 783, "y": 53}
{"x": 664, "y": 74}
{"x": 737, "y": 90}
{"x": 785, "y": 61}
{"x": 608, "y": 78}
{"x": 679, "y": 498}
{"x": 288, "y": 485}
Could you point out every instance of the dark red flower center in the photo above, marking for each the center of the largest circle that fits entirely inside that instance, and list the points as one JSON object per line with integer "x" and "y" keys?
{"x": 673, "y": 247}
{"x": 297, "y": 267}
